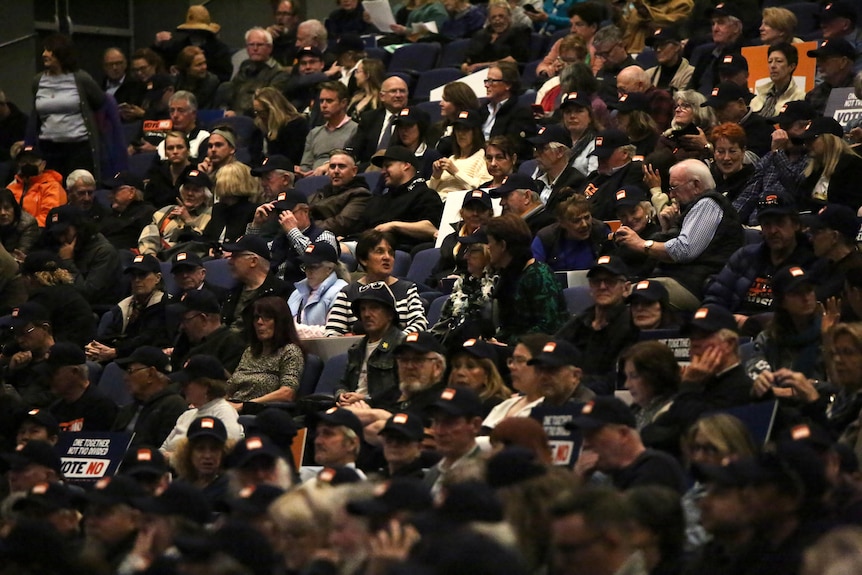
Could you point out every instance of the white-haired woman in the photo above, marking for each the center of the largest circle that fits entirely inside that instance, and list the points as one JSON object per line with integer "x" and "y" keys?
{"x": 181, "y": 221}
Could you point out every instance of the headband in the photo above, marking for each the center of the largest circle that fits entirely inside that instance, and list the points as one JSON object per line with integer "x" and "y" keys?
{"x": 231, "y": 139}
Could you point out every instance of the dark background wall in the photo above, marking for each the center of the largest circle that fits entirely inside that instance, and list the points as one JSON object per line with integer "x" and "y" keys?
{"x": 99, "y": 24}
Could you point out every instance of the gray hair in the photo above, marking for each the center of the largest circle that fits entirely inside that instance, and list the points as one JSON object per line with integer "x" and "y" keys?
{"x": 318, "y": 30}
{"x": 263, "y": 31}
{"x": 857, "y": 85}
{"x": 704, "y": 117}
{"x": 79, "y": 175}
{"x": 187, "y": 96}
{"x": 607, "y": 35}
{"x": 696, "y": 170}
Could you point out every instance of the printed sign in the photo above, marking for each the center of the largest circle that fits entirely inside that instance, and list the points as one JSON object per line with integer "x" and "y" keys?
{"x": 758, "y": 66}
{"x": 565, "y": 445}
{"x": 844, "y": 106}
{"x": 89, "y": 456}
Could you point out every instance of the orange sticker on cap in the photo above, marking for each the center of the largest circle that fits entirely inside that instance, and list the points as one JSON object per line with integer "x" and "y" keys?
{"x": 550, "y": 347}
{"x": 701, "y": 313}
{"x": 800, "y": 432}
{"x": 253, "y": 443}
{"x": 588, "y": 407}
{"x": 144, "y": 455}
{"x": 448, "y": 394}
{"x": 399, "y": 418}
{"x": 207, "y": 423}
{"x": 796, "y": 272}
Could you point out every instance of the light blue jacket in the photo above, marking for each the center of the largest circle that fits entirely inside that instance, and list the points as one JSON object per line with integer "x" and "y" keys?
{"x": 317, "y": 306}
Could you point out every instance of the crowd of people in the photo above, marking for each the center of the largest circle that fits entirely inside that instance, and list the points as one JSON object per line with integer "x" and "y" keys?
{"x": 636, "y": 350}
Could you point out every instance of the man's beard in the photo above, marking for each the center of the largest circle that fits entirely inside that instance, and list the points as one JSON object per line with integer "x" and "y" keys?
{"x": 413, "y": 386}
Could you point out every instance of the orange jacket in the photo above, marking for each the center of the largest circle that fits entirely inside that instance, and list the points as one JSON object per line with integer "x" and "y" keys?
{"x": 44, "y": 192}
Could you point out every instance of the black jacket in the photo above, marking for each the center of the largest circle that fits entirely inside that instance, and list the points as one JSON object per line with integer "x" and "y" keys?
{"x": 410, "y": 202}
{"x": 158, "y": 416}
{"x": 271, "y": 286}
{"x": 601, "y": 189}
{"x": 843, "y": 185}
{"x": 124, "y": 228}
{"x": 513, "y": 120}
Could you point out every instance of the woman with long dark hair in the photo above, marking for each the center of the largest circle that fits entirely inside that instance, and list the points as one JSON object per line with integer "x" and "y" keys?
{"x": 465, "y": 169}
{"x": 272, "y": 364}
{"x": 457, "y": 97}
{"x": 527, "y": 297}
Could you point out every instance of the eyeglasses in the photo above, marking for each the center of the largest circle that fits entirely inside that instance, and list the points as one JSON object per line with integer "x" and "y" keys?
{"x": 310, "y": 267}
{"x": 133, "y": 370}
{"x": 516, "y": 360}
{"x": 373, "y": 285}
{"x": 609, "y": 282}
{"x": 255, "y": 45}
{"x": 26, "y": 332}
{"x": 705, "y": 448}
{"x": 394, "y": 91}
{"x": 678, "y": 186}
{"x": 683, "y": 106}
{"x": 843, "y": 352}
{"x": 492, "y": 81}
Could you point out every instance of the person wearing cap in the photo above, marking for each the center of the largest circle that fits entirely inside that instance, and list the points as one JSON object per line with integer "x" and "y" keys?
{"x": 782, "y": 166}
{"x": 518, "y": 196}
{"x": 634, "y": 210}
{"x": 79, "y": 405}
{"x": 31, "y": 463}
{"x": 733, "y": 68}
{"x": 309, "y": 70}
{"x": 337, "y": 442}
{"x": 730, "y": 102}
{"x": 633, "y": 117}
{"x": 371, "y": 372}
{"x": 156, "y": 407}
{"x": 189, "y": 274}
{"x": 136, "y": 320}
{"x": 411, "y": 129}
{"x": 276, "y": 177}
{"x": 609, "y": 44}
{"x": 465, "y": 168}
{"x": 197, "y": 30}
{"x": 574, "y": 241}
{"x": 617, "y": 168}
{"x": 833, "y": 230}
{"x": 313, "y": 297}
{"x": 44, "y": 187}
{"x": 146, "y": 465}
{"x": 709, "y": 233}
{"x": 727, "y": 38}
{"x": 781, "y": 88}
{"x": 129, "y": 212}
{"x": 743, "y": 286}
{"x": 832, "y": 169}
{"x": 200, "y": 456}
{"x": 613, "y": 445}
{"x": 401, "y": 439}
{"x": 49, "y": 284}
{"x": 580, "y": 117}
{"x": 558, "y": 374}
{"x": 636, "y": 80}
{"x": 476, "y": 210}
{"x": 248, "y": 260}
{"x": 185, "y": 219}
{"x": 204, "y": 385}
{"x": 260, "y": 70}
{"x": 111, "y": 519}
{"x": 835, "y": 61}
{"x": 220, "y": 151}
{"x": 672, "y": 72}
{"x": 554, "y": 168}
{"x": 336, "y": 131}
{"x": 409, "y": 209}
{"x": 456, "y": 419}
{"x": 57, "y": 504}
{"x": 24, "y": 362}
{"x": 839, "y": 19}
{"x": 202, "y": 331}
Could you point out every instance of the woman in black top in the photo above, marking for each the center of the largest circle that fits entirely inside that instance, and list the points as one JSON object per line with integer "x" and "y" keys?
{"x": 500, "y": 40}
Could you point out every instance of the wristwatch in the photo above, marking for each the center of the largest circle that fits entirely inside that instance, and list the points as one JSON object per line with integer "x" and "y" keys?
{"x": 648, "y": 244}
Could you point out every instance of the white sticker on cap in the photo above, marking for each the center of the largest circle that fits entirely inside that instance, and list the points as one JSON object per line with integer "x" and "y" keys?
{"x": 588, "y": 407}
{"x": 399, "y": 418}
{"x": 144, "y": 455}
{"x": 253, "y": 443}
{"x": 207, "y": 423}
{"x": 448, "y": 394}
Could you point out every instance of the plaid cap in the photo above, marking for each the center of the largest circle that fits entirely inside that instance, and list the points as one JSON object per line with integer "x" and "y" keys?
{"x": 144, "y": 461}
{"x": 602, "y": 411}
{"x": 458, "y": 401}
{"x": 557, "y": 353}
{"x": 405, "y": 425}
{"x": 249, "y": 243}
{"x": 710, "y": 319}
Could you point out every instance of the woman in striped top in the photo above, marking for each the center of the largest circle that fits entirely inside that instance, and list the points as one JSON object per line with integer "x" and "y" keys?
{"x": 375, "y": 252}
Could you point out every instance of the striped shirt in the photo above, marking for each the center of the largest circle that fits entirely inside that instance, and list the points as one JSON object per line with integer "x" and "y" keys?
{"x": 698, "y": 229}
{"x": 411, "y": 312}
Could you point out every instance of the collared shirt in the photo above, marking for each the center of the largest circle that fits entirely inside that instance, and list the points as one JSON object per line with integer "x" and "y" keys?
{"x": 698, "y": 229}
{"x": 492, "y": 117}
{"x": 347, "y": 74}
{"x": 547, "y": 183}
{"x": 343, "y": 121}
{"x": 386, "y": 119}
{"x": 111, "y": 87}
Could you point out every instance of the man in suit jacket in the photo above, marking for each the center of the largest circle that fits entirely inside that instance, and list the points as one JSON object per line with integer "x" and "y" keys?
{"x": 502, "y": 114}
{"x": 376, "y": 126}
{"x": 117, "y": 82}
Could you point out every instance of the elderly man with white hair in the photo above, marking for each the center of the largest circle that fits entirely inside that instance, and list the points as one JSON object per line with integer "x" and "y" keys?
{"x": 709, "y": 231}
{"x": 312, "y": 33}
{"x": 81, "y": 193}
{"x": 258, "y": 71}
{"x": 660, "y": 104}
{"x": 727, "y": 38}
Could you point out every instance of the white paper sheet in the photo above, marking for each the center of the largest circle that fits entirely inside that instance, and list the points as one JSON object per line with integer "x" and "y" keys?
{"x": 476, "y": 81}
{"x": 420, "y": 27}
{"x": 380, "y": 13}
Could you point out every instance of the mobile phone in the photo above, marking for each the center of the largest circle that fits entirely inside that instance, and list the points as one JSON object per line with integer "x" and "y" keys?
{"x": 530, "y": 8}
{"x": 537, "y": 108}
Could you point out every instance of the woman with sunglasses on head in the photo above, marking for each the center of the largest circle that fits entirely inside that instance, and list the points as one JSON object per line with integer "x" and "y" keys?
{"x": 271, "y": 366}
{"x": 686, "y": 137}
{"x": 376, "y": 254}
{"x": 313, "y": 296}
{"x": 280, "y": 128}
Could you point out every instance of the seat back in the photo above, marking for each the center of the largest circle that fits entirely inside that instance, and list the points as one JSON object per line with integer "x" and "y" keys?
{"x": 139, "y": 164}
{"x": 578, "y": 298}
{"x": 332, "y": 373}
{"x": 168, "y": 278}
{"x": 308, "y": 185}
{"x": 113, "y": 384}
{"x": 419, "y": 57}
{"x": 529, "y": 77}
{"x": 242, "y": 125}
{"x": 218, "y": 273}
{"x": 433, "y": 79}
{"x": 527, "y": 168}
{"x": 310, "y": 375}
{"x": 422, "y": 265}
{"x": 807, "y": 17}
{"x": 537, "y": 45}
{"x": 454, "y": 53}
{"x": 435, "y": 309}
{"x": 432, "y": 109}
{"x": 402, "y": 264}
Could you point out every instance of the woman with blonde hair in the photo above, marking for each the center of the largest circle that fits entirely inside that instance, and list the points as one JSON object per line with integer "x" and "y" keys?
{"x": 370, "y": 73}
{"x": 833, "y": 169}
{"x": 302, "y": 519}
{"x": 778, "y": 25}
{"x": 199, "y": 457}
{"x": 236, "y": 193}
{"x": 474, "y": 366}
{"x": 280, "y": 128}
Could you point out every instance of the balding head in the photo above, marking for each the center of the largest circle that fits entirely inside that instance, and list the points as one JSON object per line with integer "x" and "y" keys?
{"x": 393, "y": 94}
{"x": 632, "y": 79}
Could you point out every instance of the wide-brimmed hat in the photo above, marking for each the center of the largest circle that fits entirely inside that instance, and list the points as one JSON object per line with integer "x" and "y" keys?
{"x": 198, "y": 18}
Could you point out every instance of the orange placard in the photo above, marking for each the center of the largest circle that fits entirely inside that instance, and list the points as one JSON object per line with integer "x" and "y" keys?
{"x": 157, "y": 126}
{"x": 758, "y": 68}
